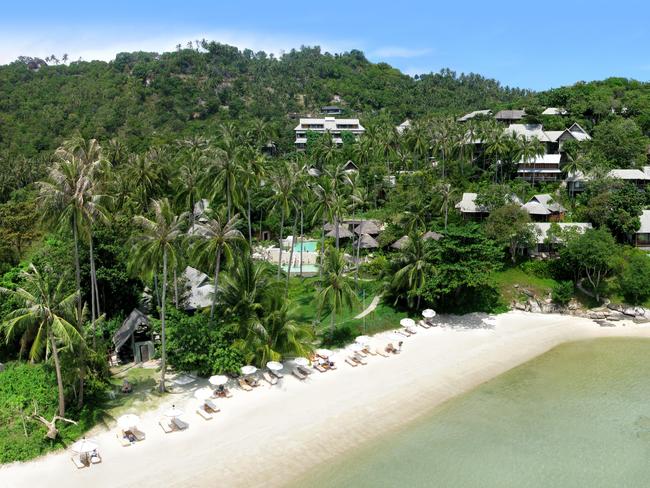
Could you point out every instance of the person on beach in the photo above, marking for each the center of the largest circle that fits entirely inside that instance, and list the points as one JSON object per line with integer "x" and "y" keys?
{"x": 399, "y": 345}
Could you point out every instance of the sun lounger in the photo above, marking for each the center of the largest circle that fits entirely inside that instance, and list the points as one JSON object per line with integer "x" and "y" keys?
{"x": 245, "y": 386}
{"x": 402, "y": 332}
{"x": 78, "y": 462}
{"x": 277, "y": 374}
{"x": 369, "y": 351}
{"x": 382, "y": 353}
{"x": 298, "y": 374}
{"x": 95, "y": 458}
{"x": 166, "y": 427}
{"x": 331, "y": 366}
{"x": 203, "y": 413}
{"x": 319, "y": 367}
{"x": 180, "y": 425}
{"x": 360, "y": 360}
{"x": 211, "y": 406}
{"x": 304, "y": 370}
{"x": 271, "y": 380}
{"x": 121, "y": 437}
{"x": 139, "y": 435}
{"x": 424, "y": 324}
{"x": 351, "y": 362}
{"x": 252, "y": 381}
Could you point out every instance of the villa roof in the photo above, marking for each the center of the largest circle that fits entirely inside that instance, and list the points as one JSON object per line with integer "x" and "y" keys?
{"x": 645, "y": 223}
{"x": 328, "y": 123}
{"x": 432, "y": 235}
{"x": 554, "y": 111}
{"x": 403, "y": 126}
{"x": 628, "y": 174}
{"x": 547, "y": 200}
{"x": 473, "y": 114}
{"x": 129, "y": 326}
{"x": 367, "y": 242}
{"x": 542, "y": 228}
{"x": 198, "y": 289}
{"x": 468, "y": 204}
{"x": 367, "y": 227}
{"x": 553, "y": 159}
{"x": 536, "y": 208}
{"x": 350, "y": 166}
{"x": 344, "y": 233}
{"x": 528, "y": 131}
{"x": 510, "y": 114}
{"x": 401, "y": 243}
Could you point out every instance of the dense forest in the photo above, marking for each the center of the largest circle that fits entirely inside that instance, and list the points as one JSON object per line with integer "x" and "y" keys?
{"x": 102, "y": 165}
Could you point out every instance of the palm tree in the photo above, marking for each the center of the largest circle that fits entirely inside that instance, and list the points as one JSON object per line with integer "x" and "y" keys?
{"x": 336, "y": 288}
{"x": 217, "y": 237}
{"x": 528, "y": 149}
{"x": 444, "y": 189}
{"x": 45, "y": 315}
{"x": 187, "y": 181}
{"x": 254, "y": 165}
{"x": 142, "y": 174}
{"x": 282, "y": 185}
{"x": 412, "y": 268}
{"x": 157, "y": 245}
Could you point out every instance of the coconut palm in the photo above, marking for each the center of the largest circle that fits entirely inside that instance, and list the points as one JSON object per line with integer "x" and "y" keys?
{"x": 143, "y": 174}
{"x": 187, "y": 182}
{"x": 444, "y": 190}
{"x": 46, "y": 315}
{"x": 528, "y": 149}
{"x": 254, "y": 165}
{"x": 216, "y": 238}
{"x": 412, "y": 268}
{"x": 281, "y": 200}
{"x": 158, "y": 245}
{"x": 336, "y": 288}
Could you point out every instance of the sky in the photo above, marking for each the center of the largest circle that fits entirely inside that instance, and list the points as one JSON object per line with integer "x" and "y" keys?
{"x": 536, "y": 45}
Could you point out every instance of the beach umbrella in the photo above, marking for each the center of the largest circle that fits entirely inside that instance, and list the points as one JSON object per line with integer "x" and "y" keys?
{"x": 246, "y": 370}
{"x": 128, "y": 421}
{"x": 324, "y": 352}
{"x": 301, "y": 361}
{"x": 173, "y": 412}
{"x": 356, "y": 347}
{"x": 218, "y": 380}
{"x": 428, "y": 313}
{"x": 274, "y": 365}
{"x": 84, "y": 446}
{"x": 362, "y": 339}
{"x": 203, "y": 393}
{"x": 406, "y": 322}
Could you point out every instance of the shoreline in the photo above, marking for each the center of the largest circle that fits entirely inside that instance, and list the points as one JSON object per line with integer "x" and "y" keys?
{"x": 274, "y": 435}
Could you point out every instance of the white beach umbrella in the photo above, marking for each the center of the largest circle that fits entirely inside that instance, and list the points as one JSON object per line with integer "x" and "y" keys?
{"x": 173, "y": 412}
{"x": 84, "y": 446}
{"x": 407, "y": 322}
{"x": 363, "y": 339}
{"x": 128, "y": 421}
{"x": 356, "y": 347}
{"x": 203, "y": 393}
{"x": 324, "y": 352}
{"x": 246, "y": 370}
{"x": 218, "y": 380}
{"x": 301, "y": 361}
{"x": 274, "y": 365}
{"x": 428, "y": 313}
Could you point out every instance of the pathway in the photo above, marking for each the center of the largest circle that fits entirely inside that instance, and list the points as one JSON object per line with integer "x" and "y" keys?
{"x": 371, "y": 307}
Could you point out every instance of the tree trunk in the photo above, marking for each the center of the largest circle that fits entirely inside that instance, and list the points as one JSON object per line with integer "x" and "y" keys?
{"x": 322, "y": 250}
{"x": 336, "y": 230}
{"x": 250, "y": 225}
{"x": 77, "y": 268}
{"x": 59, "y": 378}
{"x": 155, "y": 289}
{"x": 302, "y": 239}
{"x": 216, "y": 283}
{"x": 356, "y": 276}
{"x": 175, "y": 288}
{"x": 280, "y": 244}
{"x": 228, "y": 196}
{"x": 293, "y": 240}
{"x": 332, "y": 315}
{"x": 93, "y": 316}
{"x": 163, "y": 356}
{"x": 446, "y": 212}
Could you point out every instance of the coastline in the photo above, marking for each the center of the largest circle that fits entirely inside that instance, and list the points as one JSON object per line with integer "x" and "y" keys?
{"x": 274, "y": 435}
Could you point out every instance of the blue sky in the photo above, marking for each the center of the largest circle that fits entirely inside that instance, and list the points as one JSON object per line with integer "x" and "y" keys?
{"x": 534, "y": 45}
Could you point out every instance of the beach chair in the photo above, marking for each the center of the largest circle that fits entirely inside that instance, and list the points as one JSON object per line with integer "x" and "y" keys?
{"x": 361, "y": 353}
{"x": 298, "y": 374}
{"x": 277, "y": 374}
{"x": 403, "y": 332}
{"x": 139, "y": 435}
{"x": 351, "y": 362}
{"x": 382, "y": 353}
{"x": 252, "y": 381}
{"x": 304, "y": 370}
{"x": 165, "y": 426}
{"x": 360, "y": 360}
{"x": 319, "y": 367}
{"x": 124, "y": 441}
{"x": 179, "y": 424}
{"x": 369, "y": 351}
{"x": 424, "y": 324}
{"x": 78, "y": 462}
{"x": 95, "y": 458}
{"x": 331, "y": 366}
{"x": 271, "y": 380}
{"x": 244, "y": 385}
{"x": 203, "y": 413}
{"x": 211, "y": 406}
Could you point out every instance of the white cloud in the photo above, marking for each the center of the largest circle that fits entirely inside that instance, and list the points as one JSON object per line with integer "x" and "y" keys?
{"x": 105, "y": 45}
{"x": 400, "y": 52}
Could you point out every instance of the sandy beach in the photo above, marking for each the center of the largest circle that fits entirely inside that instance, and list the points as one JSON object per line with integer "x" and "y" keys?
{"x": 269, "y": 436}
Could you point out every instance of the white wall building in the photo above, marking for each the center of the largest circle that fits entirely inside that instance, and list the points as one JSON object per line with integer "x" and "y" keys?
{"x": 334, "y": 126}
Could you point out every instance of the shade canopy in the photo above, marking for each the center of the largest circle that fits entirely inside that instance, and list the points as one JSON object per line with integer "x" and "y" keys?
{"x": 428, "y": 313}
{"x": 324, "y": 352}
{"x": 366, "y": 241}
{"x": 274, "y": 365}
{"x": 401, "y": 243}
{"x": 248, "y": 369}
{"x": 301, "y": 361}
{"x": 218, "y": 380}
{"x": 362, "y": 339}
{"x": 173, "y": 412}
{"x": 203, "y": 393}
{"x": 407, "y": 322}
{"x": 128, "y": 421}
{"x": 84, "y": 446}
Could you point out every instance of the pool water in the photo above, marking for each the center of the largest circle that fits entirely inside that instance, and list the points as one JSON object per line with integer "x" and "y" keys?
{"x": 307, "y": 246}
{"x": 577, "y": 416}
{"x": 306, "y": 269}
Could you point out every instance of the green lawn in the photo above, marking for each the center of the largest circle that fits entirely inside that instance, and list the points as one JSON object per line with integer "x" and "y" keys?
{"x": 508, "y": 278}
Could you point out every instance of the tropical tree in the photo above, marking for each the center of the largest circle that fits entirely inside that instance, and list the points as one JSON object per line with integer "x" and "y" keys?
{"x": 45, "y": 316}
{"x": 281, "y": 200}
{"x": 158, "y": 245}
{"x": 216, "y": 238}
{"x": 336, "y": 288}
{"x": 412, "y": 267}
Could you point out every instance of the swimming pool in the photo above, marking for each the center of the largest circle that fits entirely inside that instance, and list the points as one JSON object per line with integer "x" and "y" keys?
{"x": 307, "y": 246}
{"x": 307, "y": 269}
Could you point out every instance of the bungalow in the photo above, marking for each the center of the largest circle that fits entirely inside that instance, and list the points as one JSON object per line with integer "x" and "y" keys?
{"x": 642, "y": 236}
{"x": 557, "y": 138}
{"x": 475, "y": 113}
{"x": 554, "y": 111}
{"x": 510, "y": 116}
{"x": 542, "y": 208}
{"x": 136, "y": 334}
{"x": 575, "y": 182}
{"x": 335, "y": 127}
{"x": 636, "y": 176}
{"x": 350, "y": 167}
{"x": 545, "y": 167}
{"x": 469, "y": 209}
{"x": 546, "y": 244}
{"x": 331, "y": 110}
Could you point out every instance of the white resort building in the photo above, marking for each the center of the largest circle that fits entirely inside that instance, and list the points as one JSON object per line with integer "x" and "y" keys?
{"x": 336, "y": 128}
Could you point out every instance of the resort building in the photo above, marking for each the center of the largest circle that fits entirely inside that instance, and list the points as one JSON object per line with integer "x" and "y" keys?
{"x": 636, "y": 176}
{"x": 545, "y": 167}
{"x": 403, "y": 127}
{"x": 469, "y": 209}
{"x": 474, "y": 114}
{"x": 547, "y": 244}
{"x": 331, "y": 110}
{"x": 642, "y": 236}
{"x": 552, "y": 139}
{"x": 510, "y": 116}
{"x": 335, "y": 127}
{"x": 554, "y": 111}
{"x": 542, "y": 208}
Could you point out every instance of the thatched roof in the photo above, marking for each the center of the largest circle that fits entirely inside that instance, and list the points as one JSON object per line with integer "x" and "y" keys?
{"x": 401, "y": 243}
{"x": 344, "y": 233}
{"x": 432, "y": 235}
{"x": 367, "y": 242}
{"x": 129, "y": 326}
{"x": 367, "y": 227}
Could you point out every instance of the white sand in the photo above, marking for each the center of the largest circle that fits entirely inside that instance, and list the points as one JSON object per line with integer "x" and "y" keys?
{"x": 268, "y": 436}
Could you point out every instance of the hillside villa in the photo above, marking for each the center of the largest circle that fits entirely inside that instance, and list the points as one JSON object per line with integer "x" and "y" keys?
{"x": 545, "y": 245}
{"x": 335, "y": 127}
{"x": 642, "y": 236}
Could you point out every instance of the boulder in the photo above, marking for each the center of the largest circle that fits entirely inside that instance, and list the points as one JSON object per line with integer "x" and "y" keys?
{"x": 641, "y": 320}
{"x": 520, "y": 306}
{"x": 629, "y": 311}
{"x": 534, "y": 306}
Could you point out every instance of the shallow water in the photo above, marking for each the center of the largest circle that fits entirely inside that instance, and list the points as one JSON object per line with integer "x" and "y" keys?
{"x": 577, "y": 416}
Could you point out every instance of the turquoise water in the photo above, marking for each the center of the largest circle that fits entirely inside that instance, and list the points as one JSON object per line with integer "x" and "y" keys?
{"x": 578, "y": 416}
{"x": 306, "y": 268}
{"x": 307, "y": 246}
